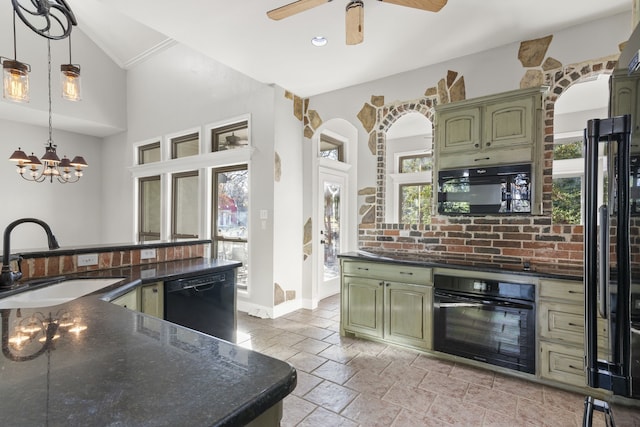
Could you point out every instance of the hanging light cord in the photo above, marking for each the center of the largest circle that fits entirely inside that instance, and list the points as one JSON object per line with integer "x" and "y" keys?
{"x": 49, "y": 79}
{"x": 15, "y": 49}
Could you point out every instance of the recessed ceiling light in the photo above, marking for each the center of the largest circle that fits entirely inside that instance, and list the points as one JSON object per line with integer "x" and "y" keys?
{"x": 318, "y": 41}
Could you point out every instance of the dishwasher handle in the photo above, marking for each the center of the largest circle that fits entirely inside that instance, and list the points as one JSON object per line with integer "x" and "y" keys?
{"x": 198, "y": 284}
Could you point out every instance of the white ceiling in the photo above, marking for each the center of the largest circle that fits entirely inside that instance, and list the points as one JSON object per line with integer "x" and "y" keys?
{"x": 396, "y": 38}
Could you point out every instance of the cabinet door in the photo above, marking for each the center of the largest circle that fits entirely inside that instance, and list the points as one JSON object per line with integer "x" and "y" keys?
{"x": 407, "y": 314}
{"x": 152, "y": 299}
{"x": 459, "y": 130}
{"x": 562, "y": 363}
{"x": 362, "y": 305}
{"x": 129, "y": 300}
{"x": 509, "y": 123}
{"x": 625, "y": 100}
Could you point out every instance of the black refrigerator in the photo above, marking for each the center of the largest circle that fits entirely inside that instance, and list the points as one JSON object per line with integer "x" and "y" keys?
{"x": 612, "y": 270}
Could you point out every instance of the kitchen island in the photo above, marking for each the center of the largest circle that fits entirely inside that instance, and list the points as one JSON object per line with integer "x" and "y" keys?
{"x": 114, "y": 366}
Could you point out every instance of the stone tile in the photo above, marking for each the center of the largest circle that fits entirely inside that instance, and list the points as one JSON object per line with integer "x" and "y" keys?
{"x": 473, "y": 375}
{"x": 286, "y": 338}
{"x": 306, "y": 382}
{"x": 491, "y": 399}
{"x": 314, "y": 332}
{"x": 340, "y": 341}
{"x": 339, "y": 354}
{"x": 331, "y": 396}
{"x": 444, "y": 385}
{"x": 518, "y": 387}
{"x": 404, "y": 374}
{"x": 432, "y": 364}
{"x": 563, "y": 399}
{"x": 545, "y": 415}
{"x": 456, "y": 412}
{"x": 411, "y": 398}
{"x": 415, "y": 419}
{"x": 278, "y": 351}
{"x": 368, "y": 383}
{"x": 334, "y": 372}
{"x": 306, "y": 362}
{"x": 366, "y": 362}
{"x": 323, "y": 417}
{"x": 368, "y": 347}
{"x": 371, "y": 412}
{"x": 324, "y": 313}
{"x": 294, "y": 410}
{"x": 498, "y": 419}
{"x": 311, "y": 345}
{"x": 398, "y": 354}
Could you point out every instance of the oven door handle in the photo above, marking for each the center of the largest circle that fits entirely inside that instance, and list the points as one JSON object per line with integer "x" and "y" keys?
{"x": 500, "y": 303}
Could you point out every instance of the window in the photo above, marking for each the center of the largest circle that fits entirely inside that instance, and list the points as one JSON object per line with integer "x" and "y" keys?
{"x": 331, "y": 148}
{"x": 184, "y": 146}
{"x": 149, "y": 205}
{"x": 185, "y": 202}
{"x": 415, "y": 163}
{"x": 230, "y": 137}
{"x": 568, "y": 170}
{"x": 230, "y": 213}
{"x": 149, "y": 153}
{"x": 415, "y": 203}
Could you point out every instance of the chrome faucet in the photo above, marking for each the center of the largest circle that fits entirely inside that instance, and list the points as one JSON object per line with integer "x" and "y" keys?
{"x": 8, "y": 277}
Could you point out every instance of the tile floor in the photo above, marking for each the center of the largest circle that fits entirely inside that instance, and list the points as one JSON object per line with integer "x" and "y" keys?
{"x": 353, "y": 382}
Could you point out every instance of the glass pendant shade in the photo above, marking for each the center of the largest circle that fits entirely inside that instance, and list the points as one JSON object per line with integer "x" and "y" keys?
{"x": 15, "y": 76}
{"x": 70, "y": 80}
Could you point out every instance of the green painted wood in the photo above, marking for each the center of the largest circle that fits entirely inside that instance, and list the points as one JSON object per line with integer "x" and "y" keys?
{"x": 363, "y": 311}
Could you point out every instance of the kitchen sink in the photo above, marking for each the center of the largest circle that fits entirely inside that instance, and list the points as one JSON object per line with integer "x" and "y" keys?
{"x": 59, "y": 292}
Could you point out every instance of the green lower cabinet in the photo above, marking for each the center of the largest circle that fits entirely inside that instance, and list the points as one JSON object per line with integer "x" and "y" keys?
{"x": 362, "y": 306}
{"x": 395, "y": 312}
{"x": 407, "y": 314}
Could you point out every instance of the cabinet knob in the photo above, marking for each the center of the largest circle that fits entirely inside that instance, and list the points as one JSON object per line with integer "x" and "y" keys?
{"x": 476, "y": 145}
{"x": 381, "y": 283}
{"x": 488, "y": 144}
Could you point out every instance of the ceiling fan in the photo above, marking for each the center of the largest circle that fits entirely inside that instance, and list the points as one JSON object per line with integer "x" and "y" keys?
{"x": 354, "y": 13}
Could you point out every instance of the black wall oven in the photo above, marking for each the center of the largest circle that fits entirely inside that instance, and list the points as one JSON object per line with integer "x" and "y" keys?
{"x": 492, "y": 190}
{"x": 486, "y": 320}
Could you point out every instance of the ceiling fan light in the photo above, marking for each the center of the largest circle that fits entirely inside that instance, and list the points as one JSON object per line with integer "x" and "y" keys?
{"x": 319, "y": 41}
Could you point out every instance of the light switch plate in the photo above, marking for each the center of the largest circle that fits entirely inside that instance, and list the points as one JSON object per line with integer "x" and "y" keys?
{"x": 147, "y": 253}
{"x": 87, "y": 259}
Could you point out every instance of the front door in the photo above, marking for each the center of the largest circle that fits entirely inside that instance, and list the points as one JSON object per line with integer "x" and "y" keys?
{"x": 331, "y": 220}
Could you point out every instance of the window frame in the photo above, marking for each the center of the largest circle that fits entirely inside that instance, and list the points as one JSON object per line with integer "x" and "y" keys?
{"x": 142, "y": 235}
{"x": 175, "y": 141}
{"x": 335, "y": 143}
{"x": 230, "y": 127}
{"x": 174, "y": 189}
{"x": 141, "y": 149}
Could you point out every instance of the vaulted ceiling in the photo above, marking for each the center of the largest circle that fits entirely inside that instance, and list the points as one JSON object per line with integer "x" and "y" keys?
{"x": 396, "y": 38}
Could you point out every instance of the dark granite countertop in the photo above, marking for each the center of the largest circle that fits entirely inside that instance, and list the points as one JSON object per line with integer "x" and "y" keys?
{"x": 559, "y": 271}
{"x": 128, "y": 368}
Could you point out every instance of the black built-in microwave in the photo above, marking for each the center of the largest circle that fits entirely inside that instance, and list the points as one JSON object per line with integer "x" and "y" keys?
{"x": 491, "y": 190}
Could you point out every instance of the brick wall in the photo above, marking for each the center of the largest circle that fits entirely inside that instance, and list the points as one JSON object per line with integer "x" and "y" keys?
{"x": 495, "y": 238}
{"x": 66, "y": 264}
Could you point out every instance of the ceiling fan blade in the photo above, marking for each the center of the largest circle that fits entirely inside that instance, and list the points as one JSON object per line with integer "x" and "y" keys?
{"x": 428, "y": 5}
{"x": 293, "y": 8}
{"x": 354, "y": 22}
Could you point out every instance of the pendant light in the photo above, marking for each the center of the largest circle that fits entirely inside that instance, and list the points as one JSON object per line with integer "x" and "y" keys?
{"x": 56, "y": 23}
{"x": 15, "y": 74}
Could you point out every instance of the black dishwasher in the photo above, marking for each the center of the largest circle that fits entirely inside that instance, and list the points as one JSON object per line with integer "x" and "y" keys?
{"x": 205, "y": 303}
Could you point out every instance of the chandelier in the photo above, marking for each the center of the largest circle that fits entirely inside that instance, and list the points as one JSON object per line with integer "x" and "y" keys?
{"x": 54, "y": 21}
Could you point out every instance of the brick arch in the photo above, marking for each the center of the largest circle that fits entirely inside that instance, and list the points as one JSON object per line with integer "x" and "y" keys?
{"x": 387, "y": 116}
{"x": 559, "y": 81}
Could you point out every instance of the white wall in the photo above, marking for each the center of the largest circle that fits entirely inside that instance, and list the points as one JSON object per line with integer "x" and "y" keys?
{"x": 485, "y": 73}
{"x": 73, "y": 211}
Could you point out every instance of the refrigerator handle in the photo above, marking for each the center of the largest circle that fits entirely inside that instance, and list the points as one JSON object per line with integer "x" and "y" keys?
{"x": 603, "y": 266}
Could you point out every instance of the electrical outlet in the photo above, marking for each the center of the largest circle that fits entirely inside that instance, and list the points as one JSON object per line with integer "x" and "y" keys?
{"x": 87, "y": 259}
{"x": 147, "y": 253}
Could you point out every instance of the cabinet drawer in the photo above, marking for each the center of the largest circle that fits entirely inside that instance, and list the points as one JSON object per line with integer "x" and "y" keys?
{"x": 570, "y": 290}
{"x": 562, "y": 363}
{"x": 565, "y": 322}
{"x": 487, "y": 157}
{"x": 391, "y": 272}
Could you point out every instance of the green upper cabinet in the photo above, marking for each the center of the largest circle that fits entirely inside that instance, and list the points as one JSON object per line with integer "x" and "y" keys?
{"x": 492, "y": 130}
{"x": 625, "y": 100}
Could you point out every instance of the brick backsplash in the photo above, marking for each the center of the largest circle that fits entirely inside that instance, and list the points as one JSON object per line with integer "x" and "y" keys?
{"x": 502, "y": 239}
{"x": 67, "y": 264}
